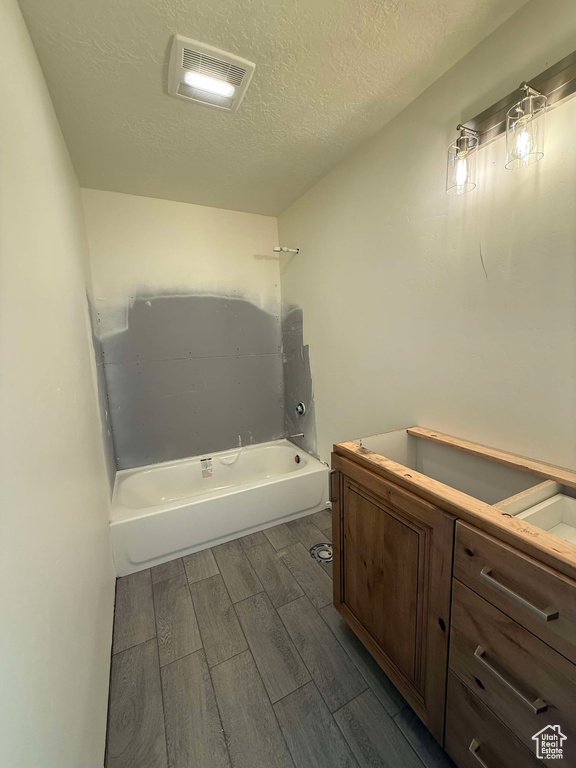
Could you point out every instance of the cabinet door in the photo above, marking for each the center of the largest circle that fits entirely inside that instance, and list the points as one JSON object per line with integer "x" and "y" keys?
{"x": 392, "y": 580}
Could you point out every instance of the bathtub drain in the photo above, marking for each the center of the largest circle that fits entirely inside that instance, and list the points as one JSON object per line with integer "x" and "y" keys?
{"x": 322, "y": 552}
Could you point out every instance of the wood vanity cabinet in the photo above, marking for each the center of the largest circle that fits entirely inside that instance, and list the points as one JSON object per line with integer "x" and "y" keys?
{"x": 429, "y": 556}
{"x": 512, "y": 646}
{"x": 392, "y": 581}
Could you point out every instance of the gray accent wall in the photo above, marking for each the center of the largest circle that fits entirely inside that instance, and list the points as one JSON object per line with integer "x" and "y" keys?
{"x": 298, "y": 381}
{"x": 193, "y": 375}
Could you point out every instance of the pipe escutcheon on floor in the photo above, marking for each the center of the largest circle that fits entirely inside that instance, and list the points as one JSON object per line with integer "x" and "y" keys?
{"x": 322, "y": 552}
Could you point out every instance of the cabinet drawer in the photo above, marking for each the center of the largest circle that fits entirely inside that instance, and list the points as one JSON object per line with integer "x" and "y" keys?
{"x": 537, "y": 597}
{"x": 475, "y": 738}
{"x": 521, "y": 679}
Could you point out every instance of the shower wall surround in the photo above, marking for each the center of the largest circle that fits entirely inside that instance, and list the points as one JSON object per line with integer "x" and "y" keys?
{"x": 187, "y": 314}
{"x": 103, "y": 406}
{"x": 193, "y": 374}
{"x": 297, "y": 379}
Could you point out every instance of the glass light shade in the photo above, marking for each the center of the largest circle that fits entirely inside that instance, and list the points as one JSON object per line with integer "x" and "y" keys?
{"x": 525, "y": 132}
{"x": 461, "y": 166}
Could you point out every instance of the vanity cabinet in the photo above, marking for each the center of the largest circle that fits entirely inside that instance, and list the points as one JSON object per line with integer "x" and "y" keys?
{"x": 512, "y": 643}
{"x": 470, "y": 610}
{"x": 475, "y": 738}
{"x": 392, "y": 578}
{"x": 537, "y": 597}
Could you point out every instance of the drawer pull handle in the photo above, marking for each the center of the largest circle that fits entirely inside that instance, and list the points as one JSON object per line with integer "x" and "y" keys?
{"x": 473, "y": 748}
{"x": 537, "y": 706}
{"x": 331, "y": 475}
{"x": 549, "y": 614}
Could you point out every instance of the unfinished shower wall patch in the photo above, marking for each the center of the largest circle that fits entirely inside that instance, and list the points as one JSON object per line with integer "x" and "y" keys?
{"x": 176, "y": 326}
{"x": 103, "y": 406}
{"x": 298, "y": 389}
{"x": 192, "y": 374}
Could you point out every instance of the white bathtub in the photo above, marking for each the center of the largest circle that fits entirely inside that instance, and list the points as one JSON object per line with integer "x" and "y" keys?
{"x": 167, "y": 510}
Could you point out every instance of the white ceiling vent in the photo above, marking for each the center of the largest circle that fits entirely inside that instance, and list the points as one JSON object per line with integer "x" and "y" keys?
{"x": 208, "y": 76}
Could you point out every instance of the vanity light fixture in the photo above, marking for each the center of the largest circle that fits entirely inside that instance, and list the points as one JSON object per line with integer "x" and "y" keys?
{"x": 461, "y": 164}
{"x": 525, "y": 124}
{"x": 521, "y": 115}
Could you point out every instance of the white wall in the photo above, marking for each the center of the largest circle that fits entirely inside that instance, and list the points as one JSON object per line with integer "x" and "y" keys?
{"x": 403, "y": 324}
{"x": 141, "y": 245}
{"x": 56, "y": 574}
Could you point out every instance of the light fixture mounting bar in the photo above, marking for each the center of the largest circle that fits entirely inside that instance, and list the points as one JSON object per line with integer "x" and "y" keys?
{"x": 465, "y": 129}
{"x": 529, "y": 91}
{"x": 556, "y": 83}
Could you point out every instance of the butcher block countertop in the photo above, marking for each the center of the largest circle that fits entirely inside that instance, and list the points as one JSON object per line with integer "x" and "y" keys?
{"x": 395, "y": 456}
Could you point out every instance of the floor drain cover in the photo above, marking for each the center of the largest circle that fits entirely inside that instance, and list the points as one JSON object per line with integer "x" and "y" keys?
{"x": 322, "y": 552}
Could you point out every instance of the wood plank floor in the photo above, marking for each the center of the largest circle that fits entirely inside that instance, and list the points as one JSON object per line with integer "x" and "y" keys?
{"x": 235, "y": 658}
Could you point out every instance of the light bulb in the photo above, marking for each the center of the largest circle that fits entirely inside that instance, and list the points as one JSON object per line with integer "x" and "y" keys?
{"x": 525, "y": 131}
{"x": 461, "y": 163}
{"x": 523, "y": 145}
{"x": 461, "y": 171}
{"x": 523, "y": 138}
{"x": 209, "y": 84}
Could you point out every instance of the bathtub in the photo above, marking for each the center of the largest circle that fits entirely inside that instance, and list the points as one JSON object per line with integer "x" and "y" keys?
{"x": 167, "y": 510}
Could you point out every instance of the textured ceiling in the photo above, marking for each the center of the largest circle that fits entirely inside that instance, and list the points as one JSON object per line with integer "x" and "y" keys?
{"x": 329, "y": 73}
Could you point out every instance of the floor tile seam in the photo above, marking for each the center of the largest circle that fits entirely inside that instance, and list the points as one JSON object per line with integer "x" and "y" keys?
{"x": 160, "y": 680}
{"x": 420, "y": 761}
{"x": 258, "y": 671}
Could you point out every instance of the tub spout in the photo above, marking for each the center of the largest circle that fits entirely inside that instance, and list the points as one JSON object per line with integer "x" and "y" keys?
{"x": 300, "y": 434}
